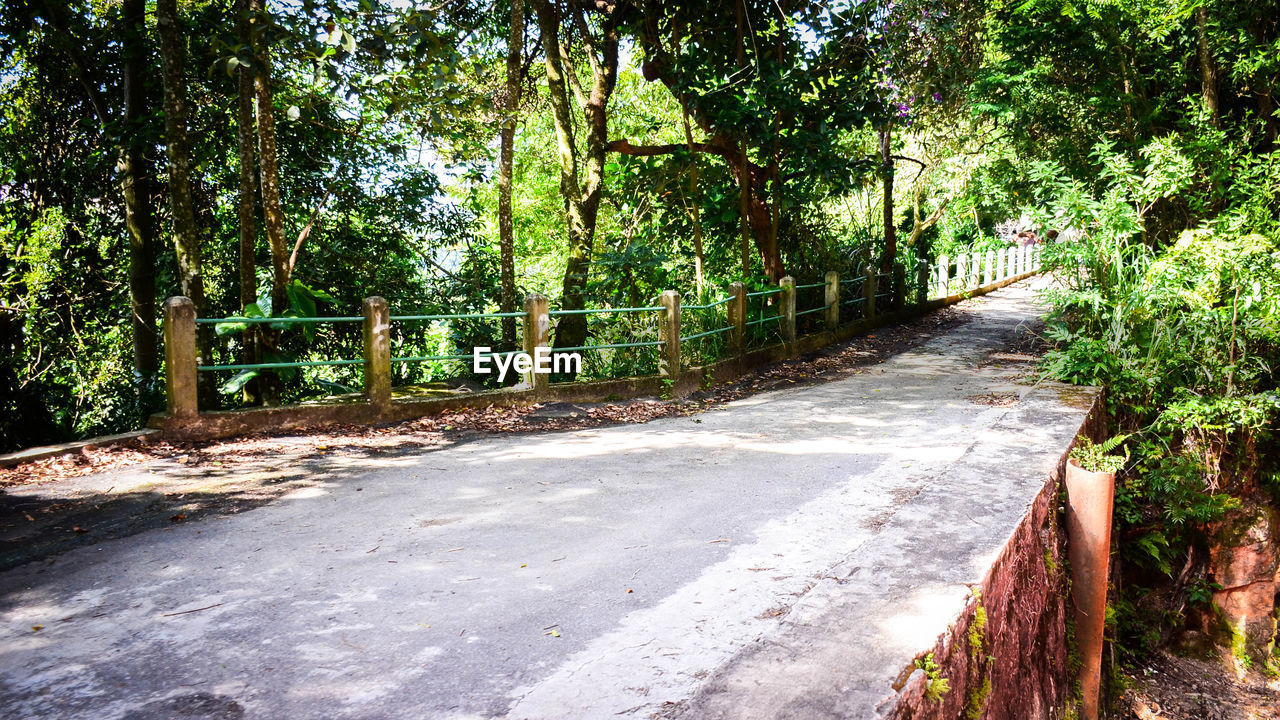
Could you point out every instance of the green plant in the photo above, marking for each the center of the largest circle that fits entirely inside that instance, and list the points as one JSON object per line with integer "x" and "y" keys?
{"x": 1098, "y": 458}
{"x": 937, "y": 686}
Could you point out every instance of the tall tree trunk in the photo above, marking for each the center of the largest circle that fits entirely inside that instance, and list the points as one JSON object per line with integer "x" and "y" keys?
{"x": 890, "y": 254}
{"x": 744, "y": 174}
{"x": 744, "y": 210}
{"x": 582, "y": 198}
{"x": 691, "y": 205}
{"x": 1208, "y": 69}
{"x": 506, "y": 155}
{"x": 135, "y": 182}
{"x": 186, "y": 239}
{"x": 247, "y": 216}
{"x": 272, "y": 212}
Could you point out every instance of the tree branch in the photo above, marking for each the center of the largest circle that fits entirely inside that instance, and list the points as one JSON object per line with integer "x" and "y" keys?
{"x": 626, "y": 148}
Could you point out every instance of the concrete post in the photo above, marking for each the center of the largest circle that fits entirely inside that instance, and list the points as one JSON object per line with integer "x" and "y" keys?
{"x": 669, "y": 334}
{"x": 377, "y": 351}
{"x": 899, "y": 277}
{"x": 869, "y": 292}
{"x": 1000, "y": 265}
{"x": 833, "y": 299}
{"x": 944, "y": 282}
{"x": 180, "y": 357}
{"x": 737, "y": 311}
{"x": 975, "y": 270}
{"x": 1090, "y": 498}
{"x": 922, "y": 282}
{"x": 962, "y": 271}
{"x": 537, "y": 333}
{"x": 788, "y": 310}
{"x": 990, "y": 268}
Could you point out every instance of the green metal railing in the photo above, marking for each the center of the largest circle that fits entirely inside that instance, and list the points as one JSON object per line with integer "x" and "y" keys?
{"x": 764, "y": 319}
{"x": 277, "y": 320}
{"x": 455, "y": 316}
{"x": 604, "y": 311}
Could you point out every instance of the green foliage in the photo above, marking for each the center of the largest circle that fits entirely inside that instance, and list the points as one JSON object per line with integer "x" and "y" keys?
{"x": 1098, "y": 458}
{"x": 936, "y": 686}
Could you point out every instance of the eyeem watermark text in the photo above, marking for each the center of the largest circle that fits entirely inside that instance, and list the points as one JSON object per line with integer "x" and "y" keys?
{"x": 541, "y": 362}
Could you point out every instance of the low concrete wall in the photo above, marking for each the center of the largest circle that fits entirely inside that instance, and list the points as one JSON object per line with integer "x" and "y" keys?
{"x": 1006, "y": 657}
{"x": 357, "y": 410}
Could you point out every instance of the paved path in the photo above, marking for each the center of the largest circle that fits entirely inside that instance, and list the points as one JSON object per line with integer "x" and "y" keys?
{"x": 785, "y": 556}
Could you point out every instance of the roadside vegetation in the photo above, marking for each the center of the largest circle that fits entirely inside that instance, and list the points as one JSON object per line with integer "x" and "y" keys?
{"x": 290, "y": 159}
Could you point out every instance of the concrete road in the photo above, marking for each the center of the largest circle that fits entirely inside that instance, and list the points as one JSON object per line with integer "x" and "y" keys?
{"x": 592, "y": 574}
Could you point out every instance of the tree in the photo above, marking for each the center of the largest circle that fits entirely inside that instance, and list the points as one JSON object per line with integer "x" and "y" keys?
{"x": 770, "y": 103}
{"x": 510, "y": 118}
{"x": 186, "y": 237}
{"x": 581, "y": 170}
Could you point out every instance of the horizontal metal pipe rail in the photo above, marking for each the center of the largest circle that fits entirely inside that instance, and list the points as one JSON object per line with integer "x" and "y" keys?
{"x": 929, "y": 281}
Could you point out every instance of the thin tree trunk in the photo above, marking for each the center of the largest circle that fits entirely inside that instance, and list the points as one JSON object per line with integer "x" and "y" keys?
{"x": 890, "y": 254}
{"x": 744, "y": 174}
{"x": 272, "y": 213}
{"x": 247, "y": 217}
{"x": 1208, "y": 70}
{"x": 691, "y": 205}
{"x": 186, "y": 240}
{"x": 506, "y": 228}
{"x": 582, "y": 198}
{"x": 135, "y": 182}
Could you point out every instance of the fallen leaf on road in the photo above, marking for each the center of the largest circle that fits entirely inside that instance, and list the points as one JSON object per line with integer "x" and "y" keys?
{"x": 178, "y": 518}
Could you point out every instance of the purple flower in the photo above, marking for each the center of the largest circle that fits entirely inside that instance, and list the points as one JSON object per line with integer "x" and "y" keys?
{"x": 937, "y": 97}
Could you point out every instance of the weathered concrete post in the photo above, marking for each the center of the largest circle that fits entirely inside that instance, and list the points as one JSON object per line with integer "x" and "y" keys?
{"x": 989, "y": 268}
{"x": 537, "y": 333}
{"x": 377, "y": 351}
{"x": 899, "y": 277}
{"x": 944, "y": 281}
{"x": 962, "y": 271}
{"x": 868, "y": 292}
{"x": 1000, "y": 265}
{"x": 922, "y": 282}
{"x": 788, "y": 311}
{"x": 180, "y": 357}
{"x": 669, "y": 334}
{"x": 737, "y": 311}
{"x": 1090, "y": 498}
{"x": 833, "y": 299}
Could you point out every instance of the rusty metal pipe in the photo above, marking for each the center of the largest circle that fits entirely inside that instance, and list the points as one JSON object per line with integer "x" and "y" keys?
{"x": 1090, "y": 497}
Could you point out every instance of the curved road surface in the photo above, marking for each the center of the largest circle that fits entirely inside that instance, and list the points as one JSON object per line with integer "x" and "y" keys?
{"x": 783, "y": 556}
